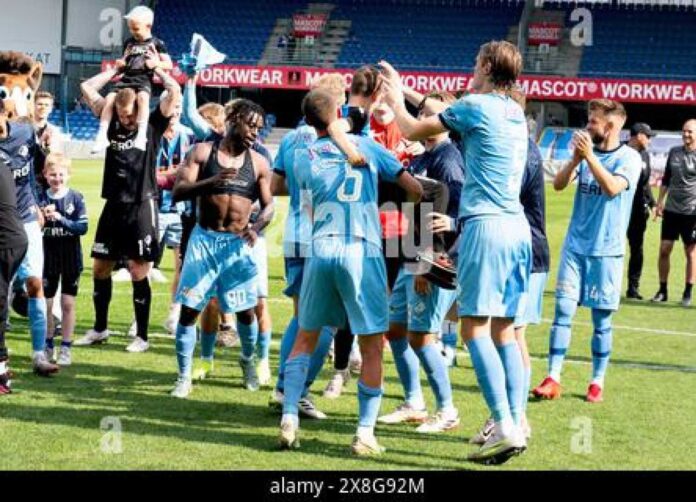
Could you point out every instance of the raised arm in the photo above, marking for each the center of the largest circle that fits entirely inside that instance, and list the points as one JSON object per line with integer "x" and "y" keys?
{"x": 189, "y": 113}
{"x": 90, "y": 90}
{"x": 168, "y": 104}
{"x": 610, "y": 184}
{"x": 411, "y": 127}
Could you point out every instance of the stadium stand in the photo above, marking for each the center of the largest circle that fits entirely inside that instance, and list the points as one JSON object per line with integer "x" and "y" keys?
{"x": 241, "y": 35}
{"x": 422, "y": 36}
{"x": 660, "y": 51}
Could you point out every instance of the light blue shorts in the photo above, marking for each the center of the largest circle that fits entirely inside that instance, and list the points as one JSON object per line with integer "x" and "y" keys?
{"x": 495, "y": 258}
{"x": 535, "y": 301}
{"x": 33, "y": 263}
{"x": 345, "y": 281}
{"x": 419, "y": 313}
{"x": 294, "y": 271}
{"x": 260, "y": 254}
{"x": 218, "y": 264}
{"x": 592, "y": 281}
{"x": 170, "y": 230}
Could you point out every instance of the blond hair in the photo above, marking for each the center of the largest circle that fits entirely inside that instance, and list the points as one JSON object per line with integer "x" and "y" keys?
{"x": 333, "y": 83}
{"x": 505, "y": 60}
{"x": 57, "y": 159}
{"x": 213, "y": 114}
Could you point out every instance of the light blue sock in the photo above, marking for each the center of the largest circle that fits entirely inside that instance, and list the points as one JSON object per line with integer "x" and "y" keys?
{"x": 437, "y": 373}
{"x": 511, "y": 358}
{"x": 286, "y": 344}
{"x": 407, "y": 367}
{"x": 527, "y": 386}
{"x": 295, "y": 378}
{"x": 601, "y": 344}
{"x": 37, "y": 323}
{"x": 248, "y": 333}
{"x": 185, "y": 345}
{"x": 369, "y": 401}
{"x": 560, "y": 335}
{"x": 208, "y": 344}
{"x": 491, "y": 376}
{"x": 263, "y": 345}
{"x": 316, "y": 362}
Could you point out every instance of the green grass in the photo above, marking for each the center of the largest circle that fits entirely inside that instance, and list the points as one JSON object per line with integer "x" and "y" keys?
{"x": 645, "y": 422}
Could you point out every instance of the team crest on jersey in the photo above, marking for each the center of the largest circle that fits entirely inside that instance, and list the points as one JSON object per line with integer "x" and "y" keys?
{"x": 419, "y": 308}
{"x": 70, "y": 209}
{"x": 23, "y": 151}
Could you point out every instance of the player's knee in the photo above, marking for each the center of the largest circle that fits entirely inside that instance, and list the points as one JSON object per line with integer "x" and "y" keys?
{"x": 246, "y": 316}
{"x": 565, "y": 310}
{"x": 419, "y": 340}
{"x": 396, "y": 332}
{"x": 188, "y": 316}
{"x": 34, "y": 287}
{"x": 665, "y": 249}
{"x": 101, "y": 269}
{"x": 371, "y": 347}
{"x": 138, "y": 270}
{"x": 601, "y": 320}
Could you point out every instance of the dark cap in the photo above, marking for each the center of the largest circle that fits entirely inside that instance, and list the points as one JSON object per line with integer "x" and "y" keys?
{"x": 642, "y": 127}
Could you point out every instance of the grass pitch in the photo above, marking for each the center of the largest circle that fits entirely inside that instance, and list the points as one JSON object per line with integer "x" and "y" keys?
{"x": 112, "y": 410}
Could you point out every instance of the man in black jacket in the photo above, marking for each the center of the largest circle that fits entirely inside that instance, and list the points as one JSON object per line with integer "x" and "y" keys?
{"x": 643, "y": 203}
{"x": 13, "y": 247}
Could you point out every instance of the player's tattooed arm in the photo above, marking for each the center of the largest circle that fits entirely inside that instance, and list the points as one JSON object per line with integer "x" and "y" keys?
{"x": 173, "y": 97}
{"x": 90, "y": 90}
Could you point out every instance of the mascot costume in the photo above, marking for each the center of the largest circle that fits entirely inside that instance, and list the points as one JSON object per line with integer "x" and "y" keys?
{"x": 20, "y": 77}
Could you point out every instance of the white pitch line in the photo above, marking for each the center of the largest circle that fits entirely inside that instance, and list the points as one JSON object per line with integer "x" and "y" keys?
{"x": 634, "y": 328}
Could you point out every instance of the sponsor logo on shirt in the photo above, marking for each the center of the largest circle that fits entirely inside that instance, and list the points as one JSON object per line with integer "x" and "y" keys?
{"x": 100, "y": 248}
{"x": 122, "y": 146}
{"x": 590, "y": 188}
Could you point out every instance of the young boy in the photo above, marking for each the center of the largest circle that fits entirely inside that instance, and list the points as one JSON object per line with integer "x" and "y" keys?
{"x": 66, "y": 220}
{"x": 137, "y": 51}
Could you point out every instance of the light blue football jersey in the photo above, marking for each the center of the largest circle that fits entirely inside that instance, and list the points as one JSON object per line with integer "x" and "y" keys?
{"x": 297, "y": 229}
{"x": 599, "y": 222}
{"x": 344, "y": 198}
{"x": 494, "y": 146}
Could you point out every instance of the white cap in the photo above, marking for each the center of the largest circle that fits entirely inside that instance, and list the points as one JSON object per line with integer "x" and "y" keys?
{"x": 142, "y": 13}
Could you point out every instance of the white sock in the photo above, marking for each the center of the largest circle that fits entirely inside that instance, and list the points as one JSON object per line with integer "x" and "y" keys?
{"x": 418, "y": 405}
{"x": 289, "y": 417}
{"x": 449, "y": 412}
{"x": 598, "y": 381}
{"x": 38, "y": 353}
{"x": 365, "y": 432}
{"x": 556, "y": 376}
{"x": 505, "y": 427}
{"x": 3, "y": 367}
